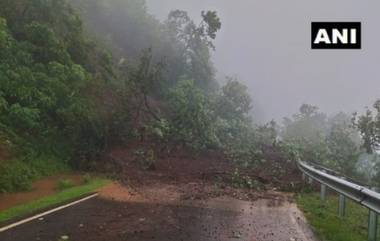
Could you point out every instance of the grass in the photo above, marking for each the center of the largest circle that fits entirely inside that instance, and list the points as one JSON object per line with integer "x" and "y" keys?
{"x": 60, "y": 197}
{"x": 326, "y": 223}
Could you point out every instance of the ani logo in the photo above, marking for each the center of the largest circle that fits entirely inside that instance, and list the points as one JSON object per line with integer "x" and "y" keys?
{"x": 336, "y": 35}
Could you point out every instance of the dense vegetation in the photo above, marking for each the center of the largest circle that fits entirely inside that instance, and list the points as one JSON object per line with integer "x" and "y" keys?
{"x": 64, "y": 99}
{"x": 76, "y": 81}
{"x": 368, "y": 125}
{"x": 45, "y": 72}
{"x": 331, "y": 141}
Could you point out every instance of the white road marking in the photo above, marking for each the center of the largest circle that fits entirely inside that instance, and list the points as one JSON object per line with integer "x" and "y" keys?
{"x": 3, "y": 229}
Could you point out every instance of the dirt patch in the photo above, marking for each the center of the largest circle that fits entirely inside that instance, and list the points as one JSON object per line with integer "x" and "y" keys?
{"x": 208, "y": 173}
{"x": 169, "y": 194}
{"x": 166, "y": 193}
{"x": 117, "y": 192}
{"x": 41, "y": 188}
{"x": 179, "y": 167}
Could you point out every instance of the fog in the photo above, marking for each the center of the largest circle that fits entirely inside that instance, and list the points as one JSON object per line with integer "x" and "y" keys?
{"x": 267, "y": 45}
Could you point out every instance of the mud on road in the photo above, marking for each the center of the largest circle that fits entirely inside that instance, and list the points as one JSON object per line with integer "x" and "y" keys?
{"x": 184, "y": 198}
{"x": 159, "y": 212}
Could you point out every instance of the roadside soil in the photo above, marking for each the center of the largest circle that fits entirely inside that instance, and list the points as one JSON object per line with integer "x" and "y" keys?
{"x": 41, "y": 188}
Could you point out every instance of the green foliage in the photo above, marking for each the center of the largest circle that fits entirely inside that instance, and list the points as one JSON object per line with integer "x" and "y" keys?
{"x": 194, "y": 41}
{"x": 307, "y": 130}
{"x": 17, "y": 175}
{"x": 343, "y": 150}
{"x": 87, "y": 178}
{"x": 160, "y": 130}
{"x": 191, "y": 120}
{"x": 174, "y": 50}
{"x": 128, "y": 29}
{"x": 332, "y": 142}
{"x": 267, "y": 134}
{"x": 45, "y": 165}
{"x": 290, "y": 150}
{"x": 46, "y": 68}
{"x": 244, "y": 181}
{"x": 23, "y": 117}
{"x": 369, "y": 127}
{"x": 41, "y": 101}
{"x": 233, "y": 125}
{"x": 146, "y": 158}
{"x": 59, "y": 88}
{"x": 244, "y": 147}
{"x": 211, "y": 24}
{"x": 234, "y": 101}
{"x": 64, "y": 184}
{"x": 3, "y": 33}
{"x": 213, "y": 121}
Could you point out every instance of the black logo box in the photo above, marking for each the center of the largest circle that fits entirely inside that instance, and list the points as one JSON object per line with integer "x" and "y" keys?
{"x": 316, "y": 26}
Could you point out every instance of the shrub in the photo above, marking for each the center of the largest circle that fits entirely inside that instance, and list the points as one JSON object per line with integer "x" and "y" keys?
{"x": 244, "y": 181}
{"x": 146, "y": 159}
{"x": 64, "y": 184}
{"x": 18, "y": 174}
{"x": 87, "y": 178}
{"x": 15, "y": 176}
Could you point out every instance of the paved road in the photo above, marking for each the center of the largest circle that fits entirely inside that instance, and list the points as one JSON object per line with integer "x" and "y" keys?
{"x": 271, "y": 218}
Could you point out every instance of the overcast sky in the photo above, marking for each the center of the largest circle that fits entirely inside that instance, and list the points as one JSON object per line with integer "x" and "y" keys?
{"x": 267, "y": 45}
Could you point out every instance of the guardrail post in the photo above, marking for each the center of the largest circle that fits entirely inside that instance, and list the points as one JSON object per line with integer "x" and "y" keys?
{"x": 310, "y": 180}
{"x": 323, "y": 192}
{"x": 372, "y": 226}
{"x": 342, "y": 205}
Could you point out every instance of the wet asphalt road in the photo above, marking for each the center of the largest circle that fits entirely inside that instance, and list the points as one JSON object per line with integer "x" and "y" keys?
{"x": 267, "y": 219}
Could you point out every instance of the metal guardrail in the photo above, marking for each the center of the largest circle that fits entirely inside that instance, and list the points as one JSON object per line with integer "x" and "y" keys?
{"x": 358, "y": 193}
{"x": 337, "y": 174}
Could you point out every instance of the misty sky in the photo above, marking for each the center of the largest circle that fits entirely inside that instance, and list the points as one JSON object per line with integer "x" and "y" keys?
{"x": 267, "y": 45}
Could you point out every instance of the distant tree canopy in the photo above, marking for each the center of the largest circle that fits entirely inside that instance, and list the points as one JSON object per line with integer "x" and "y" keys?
{"x": 179, "y": 42}
{"x": 234, "y": 101}
{"x": 369, "y": 127}
{"x": 167, "y": 66}
{"x": 331, "y": 141}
